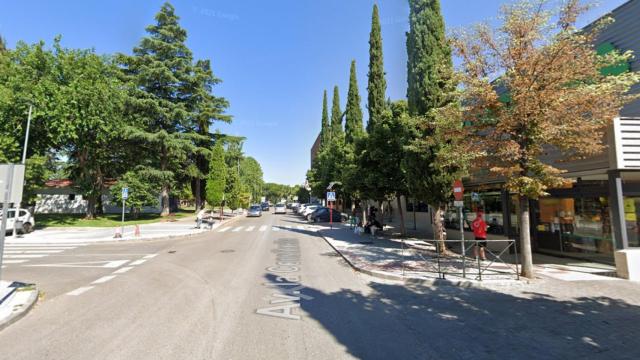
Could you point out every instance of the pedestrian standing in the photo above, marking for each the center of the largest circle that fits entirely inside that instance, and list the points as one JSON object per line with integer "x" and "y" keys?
{"x": 479, "y": 227}
{"x": 200, "y": 217}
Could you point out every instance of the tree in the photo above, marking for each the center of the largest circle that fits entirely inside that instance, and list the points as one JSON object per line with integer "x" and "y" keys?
{"x": 431, "y": 103}
{"x": 336, "y": 116}
{"x": 142, "y": 192}
{"x": 233, "y": 189}
{"x": 205, "y": 108}
{"x": 3, "y": 45}
{"x": 251, "y": 177}
{"x": 162, "y": 75}
{"x": 554, "y": 90}
{"x": 325, "y": 131}
{"x": 217, "y": 177}
{"x": 377, "y": 87}
{"x": 353, "y": 114}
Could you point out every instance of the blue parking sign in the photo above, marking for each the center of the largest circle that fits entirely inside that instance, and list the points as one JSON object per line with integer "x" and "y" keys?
{"x": 125, "y": 193}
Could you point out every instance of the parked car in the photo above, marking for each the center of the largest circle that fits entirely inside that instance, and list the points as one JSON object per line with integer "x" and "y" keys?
{"x": 309, "y": 209}
{"x": 27, "y": 219}
{"x": 254, "y": 211}
{"x": 281, "y": 209}
{"x": 265, "y": 206}
{"x": 321, "y": 214}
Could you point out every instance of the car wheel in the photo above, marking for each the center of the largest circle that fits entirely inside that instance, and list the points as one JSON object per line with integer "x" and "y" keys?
{"x": 27, "y": 228}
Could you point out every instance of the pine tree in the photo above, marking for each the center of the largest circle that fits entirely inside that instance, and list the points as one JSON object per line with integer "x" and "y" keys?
{"x": 353, "y": 114}
{"x": 336, "y": 116}
{"x": 161, "y": 70}
{"x": 377, "y": 84}
{"x": 325, "y": 126}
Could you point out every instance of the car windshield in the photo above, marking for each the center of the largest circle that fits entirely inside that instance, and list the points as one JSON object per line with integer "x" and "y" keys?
{"x": 255, "y": 208}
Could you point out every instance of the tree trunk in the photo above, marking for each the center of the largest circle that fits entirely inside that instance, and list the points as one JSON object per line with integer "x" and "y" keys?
{"x": 99, "y": 206}
{"x": 165, "y": 200}
{"x": 197, "y": 194}
{"x": 525, "y": 238}
{"x": 91, "y": 207}
{"x": 439, "y": 228}
{"x": 403, "y": 230}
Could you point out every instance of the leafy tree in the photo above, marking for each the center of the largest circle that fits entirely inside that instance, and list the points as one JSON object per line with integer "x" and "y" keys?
{"x": 377, "y": 87}
{"x": 336, "y": 116}
{"x": 205, "y": 108}
{"x": 3, "y": 45}
{"x": 325, "y": 126}
{"x": 353, "y": 114}
{"x": 302, "y": 193}
{"x": 431, "y": 90}
{"x": 251, "y": 177}
{"x": 557, "y": 95}
{"x": 162, "y": 75}
{"x": 142, "y": 192}
{"x": 217, "y": 176}
{"x": 233, "y": 189}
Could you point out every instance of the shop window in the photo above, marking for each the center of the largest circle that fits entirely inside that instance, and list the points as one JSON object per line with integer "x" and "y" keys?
{"x": 631, "y": 216}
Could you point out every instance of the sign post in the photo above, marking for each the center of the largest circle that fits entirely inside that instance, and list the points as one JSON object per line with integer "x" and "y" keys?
{"x": 331, "y": 198}
{"x": 125, "y": 196}
{"x": 458, "y": 194}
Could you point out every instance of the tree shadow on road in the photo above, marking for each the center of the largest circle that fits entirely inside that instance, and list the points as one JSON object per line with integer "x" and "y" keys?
{"x": 420, "y": 322}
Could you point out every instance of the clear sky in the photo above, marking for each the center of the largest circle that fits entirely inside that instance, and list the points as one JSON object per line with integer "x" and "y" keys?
{"x": 275, "y": 57}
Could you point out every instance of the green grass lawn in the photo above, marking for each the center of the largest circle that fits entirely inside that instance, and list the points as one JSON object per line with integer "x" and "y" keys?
{"x": 109, "y": 220}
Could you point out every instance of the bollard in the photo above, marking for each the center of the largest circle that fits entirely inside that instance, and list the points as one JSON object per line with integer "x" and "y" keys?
{"x": 118, "y": 234}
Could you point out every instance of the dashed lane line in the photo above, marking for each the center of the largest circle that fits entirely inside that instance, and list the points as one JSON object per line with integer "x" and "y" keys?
{"x": 138, "y": 262}
{"x": 104, "y": 279}
{"x": 123, "y": 270}
{"x": 80, "y": 290}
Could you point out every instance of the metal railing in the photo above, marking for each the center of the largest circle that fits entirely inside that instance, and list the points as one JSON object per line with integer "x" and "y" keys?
{"x": 457, "y": 264}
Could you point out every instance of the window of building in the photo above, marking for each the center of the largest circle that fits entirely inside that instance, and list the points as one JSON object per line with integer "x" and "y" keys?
{"x": 72, "y": 197}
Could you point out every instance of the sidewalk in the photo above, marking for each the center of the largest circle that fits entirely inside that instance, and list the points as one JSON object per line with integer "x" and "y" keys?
{"x": 415, "y": 260}
{"x": 16, "y": 299}
{"x": 154, "y": 231}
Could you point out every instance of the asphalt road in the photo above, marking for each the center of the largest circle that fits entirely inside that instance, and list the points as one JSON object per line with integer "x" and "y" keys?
{"x": 270, "y": 288}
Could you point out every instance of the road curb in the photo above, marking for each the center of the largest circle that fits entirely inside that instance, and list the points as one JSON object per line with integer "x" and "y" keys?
{"x": 419, "y": 281}
{"x": 28, "y": 305}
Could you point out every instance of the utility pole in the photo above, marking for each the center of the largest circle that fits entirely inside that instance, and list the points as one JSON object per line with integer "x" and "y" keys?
{"x": 24, "y": 161}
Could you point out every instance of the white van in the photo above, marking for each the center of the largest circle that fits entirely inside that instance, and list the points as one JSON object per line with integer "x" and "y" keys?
{"x": 28, "y": 221}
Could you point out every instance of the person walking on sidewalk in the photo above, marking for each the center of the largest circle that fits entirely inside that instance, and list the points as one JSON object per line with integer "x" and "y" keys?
{"x": 479, "y": 227}
{"x": 200, "y": 217}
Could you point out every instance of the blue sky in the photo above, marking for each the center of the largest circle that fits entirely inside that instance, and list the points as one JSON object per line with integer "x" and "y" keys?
{"x": 275, "y": 57}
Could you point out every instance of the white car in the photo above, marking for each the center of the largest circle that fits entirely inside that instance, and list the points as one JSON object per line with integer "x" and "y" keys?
{"x": 309, "y": 209}
{"x": 28, "y": 221}
{"x": 281, "y": 209}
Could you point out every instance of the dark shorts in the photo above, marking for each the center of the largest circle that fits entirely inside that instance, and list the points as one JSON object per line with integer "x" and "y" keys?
{"x": 481, "y": 242}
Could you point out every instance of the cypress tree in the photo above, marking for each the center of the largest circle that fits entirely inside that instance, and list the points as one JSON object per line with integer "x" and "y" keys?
{"x": 325, "y": 131}
{"x": 336, "y": 116}
{"x": 353, "y": 122}
{"x": 377, "y": 84}
{"x": 429, "y": 57}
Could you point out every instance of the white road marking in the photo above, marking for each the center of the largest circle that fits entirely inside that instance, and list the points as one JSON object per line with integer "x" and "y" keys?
{"x": 104, "y": 279}
{"x": 237, "y": 229}
{"x": 250, "y": 228}
{"x": 32, "y": 251}
{"x": 87, "y": 264}
{"x": 263, "y": 228}
{"x": 80, "y": 290}
{"x": 275, "y": 228}
{"x": 150, "y": 256}
{"x": 225, "y": 229}
{"x": 301, "y": 227}
{"x": 23, "y": 256}
{"x": 288, "y": 227}
{"x": 138, "y": 262}
{"x": 44, "y": 244}
{"x": 14, "y": 261}
{"x": 122, "y": 270}
{"x": 38, "y": 248}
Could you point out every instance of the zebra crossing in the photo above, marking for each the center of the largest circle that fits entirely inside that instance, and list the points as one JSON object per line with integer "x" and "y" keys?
{"x": 263, "y": 228}
{"x": 21, "y": 253}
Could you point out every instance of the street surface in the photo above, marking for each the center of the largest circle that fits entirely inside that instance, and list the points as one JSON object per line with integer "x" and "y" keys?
{"x": 271, "y": 288}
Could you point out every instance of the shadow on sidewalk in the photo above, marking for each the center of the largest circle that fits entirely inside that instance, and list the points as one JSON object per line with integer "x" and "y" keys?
{"x": 419, "y": 322}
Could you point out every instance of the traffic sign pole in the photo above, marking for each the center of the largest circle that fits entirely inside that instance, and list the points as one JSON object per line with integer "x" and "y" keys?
{"x": 458, "y": 193}
{"x": 125, "y": 196}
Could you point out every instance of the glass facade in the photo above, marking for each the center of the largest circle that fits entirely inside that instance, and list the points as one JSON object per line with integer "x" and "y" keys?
{"x": 575, "y": 225}
{"x": 631, "y": 217}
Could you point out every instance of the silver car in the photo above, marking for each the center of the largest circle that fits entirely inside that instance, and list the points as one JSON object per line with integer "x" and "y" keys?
{"x": 254, "y": 211}
{"x": 281, "y": 208}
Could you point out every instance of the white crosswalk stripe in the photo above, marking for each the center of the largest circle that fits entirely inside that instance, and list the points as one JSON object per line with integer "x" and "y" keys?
{"x": 237, "y": 229}
{"x": 225, "y": 229}
{"x": 301, "y": 227}
{"x": 250, "y": 228}
{"x": 263, "y": 228}
{"x": 20, "y": 253}
{"x": 275, "y": 228}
